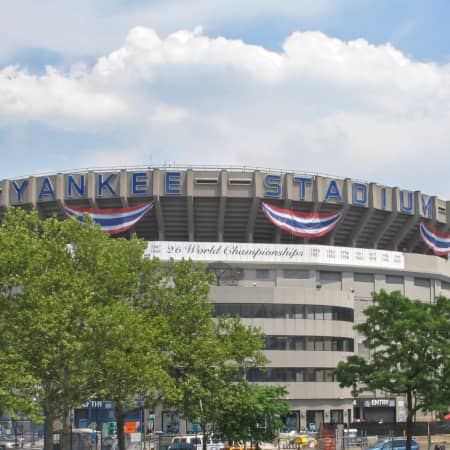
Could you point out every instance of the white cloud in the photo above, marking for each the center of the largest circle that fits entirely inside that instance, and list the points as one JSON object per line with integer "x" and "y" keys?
{"x": 321, "y": 104}
{"x": 54, "y": 97}
{"x": 144, "y": 52}
{"x": 86, "y": 27}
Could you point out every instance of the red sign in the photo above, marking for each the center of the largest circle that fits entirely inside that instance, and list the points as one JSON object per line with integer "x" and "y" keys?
{"x": 131, "y": 427}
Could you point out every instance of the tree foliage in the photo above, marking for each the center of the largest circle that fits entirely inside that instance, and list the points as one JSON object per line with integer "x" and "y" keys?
{"x": 209, "y": 364}
{"x": 86, "y": 316}
{"x": 253, "y": 413}
{"x": 408, "y": 343}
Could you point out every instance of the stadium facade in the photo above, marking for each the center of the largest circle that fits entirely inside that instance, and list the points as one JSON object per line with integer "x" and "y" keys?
{"x": 306, "y": 293}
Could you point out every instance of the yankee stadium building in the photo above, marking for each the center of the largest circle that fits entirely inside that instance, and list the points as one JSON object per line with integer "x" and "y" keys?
{"x": 296, "y": 254}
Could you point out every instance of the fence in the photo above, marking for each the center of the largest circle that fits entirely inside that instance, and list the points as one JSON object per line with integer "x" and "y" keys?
{"x": 24, "y": 433}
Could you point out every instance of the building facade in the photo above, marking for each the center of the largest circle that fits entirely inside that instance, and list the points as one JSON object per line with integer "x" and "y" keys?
{"x": 305, "y": 293}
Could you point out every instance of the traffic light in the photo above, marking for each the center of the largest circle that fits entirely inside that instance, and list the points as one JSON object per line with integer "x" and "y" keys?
{"x": 112, "y": 428}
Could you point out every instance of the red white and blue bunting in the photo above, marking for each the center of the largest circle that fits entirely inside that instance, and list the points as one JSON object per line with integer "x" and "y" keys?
{"x": 438, "y": 242}
{"x": 112, "y": 221}
{"x": 308, "y": 225}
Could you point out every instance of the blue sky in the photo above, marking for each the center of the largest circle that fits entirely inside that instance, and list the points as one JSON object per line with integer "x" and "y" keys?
{"x": 352, "y": 88}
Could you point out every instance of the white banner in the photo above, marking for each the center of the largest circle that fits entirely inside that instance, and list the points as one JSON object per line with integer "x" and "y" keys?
{"x": 275, "y": 253}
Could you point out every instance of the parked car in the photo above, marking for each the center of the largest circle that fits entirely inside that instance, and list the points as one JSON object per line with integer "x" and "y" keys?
{"x": 181, "y": 446}
{"x": 196, "y": 440}
{"x": 305, "y": 440}
{"x": 7, "y": 442}
{"x": 396, "y": 443}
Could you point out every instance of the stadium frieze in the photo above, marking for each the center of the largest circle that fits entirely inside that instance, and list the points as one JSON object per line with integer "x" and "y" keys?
{"x": 269, "y": 186}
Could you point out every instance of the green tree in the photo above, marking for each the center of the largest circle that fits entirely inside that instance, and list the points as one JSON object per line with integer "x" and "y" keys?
{"x": 408, "y": 345}
{"x": 43, "y": 302}
{"x": 253, "y": 413}
{"x": 56, "y": 277}
{"x": 164, "y": 328}
{"x": 208, "y": 373}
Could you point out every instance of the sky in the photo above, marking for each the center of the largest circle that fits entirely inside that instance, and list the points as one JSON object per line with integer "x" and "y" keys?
{"x": 351, "y": 88}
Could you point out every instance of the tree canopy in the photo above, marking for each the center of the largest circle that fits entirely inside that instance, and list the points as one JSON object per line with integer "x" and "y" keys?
{"x": 83, "y": 315}
{"x": 408, "y": 342}
{"x": 253, "y": 413}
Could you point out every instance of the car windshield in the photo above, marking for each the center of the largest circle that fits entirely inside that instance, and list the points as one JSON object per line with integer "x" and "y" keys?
{"x": 393, "y": 443}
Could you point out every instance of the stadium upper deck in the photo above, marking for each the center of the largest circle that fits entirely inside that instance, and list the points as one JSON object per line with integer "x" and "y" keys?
{"x": 224, "y": 204}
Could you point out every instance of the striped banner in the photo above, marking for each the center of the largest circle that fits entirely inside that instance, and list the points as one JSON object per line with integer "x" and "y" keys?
{"x": 112, "y": 221}
{"x": 308, "y": 225}
{"x": 436, "y": 240}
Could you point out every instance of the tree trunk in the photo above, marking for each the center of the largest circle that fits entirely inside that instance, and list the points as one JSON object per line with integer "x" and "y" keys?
{"x": 409, "y": 419}
{"x": 48, "y": 424}
{"x": 66, "y": 429}
{"x": 120, "y": 418}
{"x": 205, "y": 437}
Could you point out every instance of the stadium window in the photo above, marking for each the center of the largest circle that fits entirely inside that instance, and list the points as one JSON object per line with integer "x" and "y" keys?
{"x": 327, "y": 313}
{"x": 309, "y": 344}
{"x": 246, "y": 310}
{"x": 394, "y": 279}
{"x": 299, "y": 343}
{"x": 206, "y": 181}
{"x": 309, "y": 374}
{"x": 422, "y": 282}
{"x": 296, "y": 274}
{"x": 263, "y": 310}
{"x": 279, "y": 311}
{"x": 335, "y": 344}
{"x": 364, "y": 277}
{"x": 337, "y": 416}
{"x": 318, "y": 312}
{"x": 262, "y": 274}
{"x": 284, "y": 311}
{"x": 299, "y": 311}
{"x": 350, "y": 345}
{"x": 309, "y": 312}
{"x": 445, "y": 285}
{"x": 290, "y": 311}
{"x": 291, "y": 374}
{"x": 275, "y": 343}
{"x": 326, "y": 277}
{"x": 318, "y": 344}
{"x": 240, "y": 181}
{"x": 319, "y": 375}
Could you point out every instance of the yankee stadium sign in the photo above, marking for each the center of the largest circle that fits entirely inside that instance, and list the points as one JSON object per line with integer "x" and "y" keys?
{"x": 155, "y": 183}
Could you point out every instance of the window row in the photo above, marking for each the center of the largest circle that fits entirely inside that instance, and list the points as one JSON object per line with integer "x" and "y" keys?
{"x": 327, "y": 277}
{"x": 291, "y": 374}
{"x": 284, "y": 311}
{"x": 310, "y": 343}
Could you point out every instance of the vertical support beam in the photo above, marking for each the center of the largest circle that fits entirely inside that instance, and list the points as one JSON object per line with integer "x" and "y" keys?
{"x": 91, "y": 181}
{"x": 157, "y": 183}
{"x": 286, "y": 205}
{"x": 364, "y": 220}
{"x": 411, "y": 223}
{"x": 257, "y": 195}
{"x": 223, "y": 187}
{"x": 32, "y": 192}
{"x": 388, "y": 220}
{"x": 59, "y": 192}
{"x": 5, "y": 194}
{"x": 346, "y": 195}
{"x": 190, "y": 203}
{"x": 123, "y": 188}
{"x": 417, "y": 237}
{"x": 316, "y": 203}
